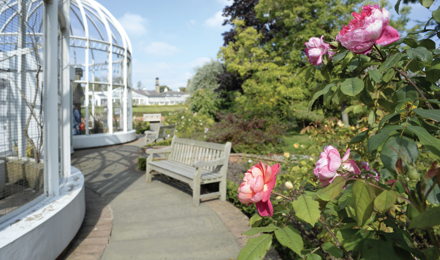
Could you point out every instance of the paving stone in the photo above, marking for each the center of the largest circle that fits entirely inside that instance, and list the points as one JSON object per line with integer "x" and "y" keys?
{"x": 148, "y": 220}
{"x": 103, "y": 233}
{"x": 89, "y": 249}
{"x": 92, "y": 241}
{"x": 84, "y": 257}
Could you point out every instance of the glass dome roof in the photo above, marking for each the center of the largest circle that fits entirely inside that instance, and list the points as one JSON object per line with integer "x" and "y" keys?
{"x": 88, "y": 19}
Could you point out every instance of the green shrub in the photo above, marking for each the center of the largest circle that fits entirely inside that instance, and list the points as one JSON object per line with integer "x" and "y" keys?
{"x": 164, "y": 142}
{"x": 254, "y": 136}
{"x": 189, "y": 125}
{"x": 142, "y": 163}
{"x": 140, "y": 126}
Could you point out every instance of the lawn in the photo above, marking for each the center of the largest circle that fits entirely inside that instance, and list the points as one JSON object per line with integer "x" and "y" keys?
{"x": 292, "y": 137}
{"x": 141, "y": 110}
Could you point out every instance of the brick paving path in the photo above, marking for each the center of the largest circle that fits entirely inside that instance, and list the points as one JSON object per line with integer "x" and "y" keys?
{"x": 94, "y": 234}
{"x": 127, "y": 218}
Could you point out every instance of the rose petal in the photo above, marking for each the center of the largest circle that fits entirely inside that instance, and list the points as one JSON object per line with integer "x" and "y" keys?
{"x": 264, "y": 208}
{"x": 389, "y": 35}
{"x": 346, "y": 155}
{"x": 257, "y": 184}
{"x": 351, "y": 166}
{"x": 334, "y": 160}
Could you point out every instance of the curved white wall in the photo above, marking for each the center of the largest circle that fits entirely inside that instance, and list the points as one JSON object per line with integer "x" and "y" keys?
{"x": 44, "y": 230}
{"x": 97, "y": 140}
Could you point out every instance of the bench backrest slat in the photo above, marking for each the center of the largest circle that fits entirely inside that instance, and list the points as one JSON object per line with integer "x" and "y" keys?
{"x": 189, "y": 151}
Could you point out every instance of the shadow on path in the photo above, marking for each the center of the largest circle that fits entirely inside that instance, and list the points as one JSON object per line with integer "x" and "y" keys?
{"x": 151, "y": 220}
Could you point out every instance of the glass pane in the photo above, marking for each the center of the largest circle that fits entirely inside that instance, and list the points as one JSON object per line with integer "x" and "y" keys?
{"x": 116, "y": 37}
{"x": 79, "y": 106}
{"x": 117, "y": 112}
{"x": 117, "y": 68}
{"x": 128, "y": 108}
{"x": 76, "y": 22}
{"x": 130, "y": 84}
{"x": 98, "y": 114}
{"x": 35, "y": 20}
{"x": 77, "y": 56}
{"x": 98, "y": 68}
{"x": 21, "y": 126}
{"x": 96, "y": 27}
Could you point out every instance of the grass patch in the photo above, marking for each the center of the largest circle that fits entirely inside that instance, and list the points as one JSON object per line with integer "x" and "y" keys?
{"x": 292, "y": 137}
{"x": 141, "y": 110}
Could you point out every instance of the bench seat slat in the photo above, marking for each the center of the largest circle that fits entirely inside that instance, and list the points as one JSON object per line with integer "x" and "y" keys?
{"x": 185, "y": 170}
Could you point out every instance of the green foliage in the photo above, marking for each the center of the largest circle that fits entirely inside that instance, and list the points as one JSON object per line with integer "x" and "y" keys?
{"x": 256, "y": 248}
{"x": 291, "y": 238}
{"x": 142, "y": 163}
{"x": 188, "y": 124}
{"x": 164, "y": 142}
{"x": 388, "y": 209}
{"x": 205, "y": 101}
{"x": 205, "y": 77}
{"x": 255, "y": 135}
{"x": 270, "y": 61}
{"x": 140, "y": 126}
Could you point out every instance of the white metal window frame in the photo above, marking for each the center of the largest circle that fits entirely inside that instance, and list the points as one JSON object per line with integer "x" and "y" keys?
{"x": 105, "y": 18}
{"x": 53, "y": 15}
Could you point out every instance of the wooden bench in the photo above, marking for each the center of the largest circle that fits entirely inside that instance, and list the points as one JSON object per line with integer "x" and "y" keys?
{"x": 193, "y": 162}
{"x": 163, "y": 131}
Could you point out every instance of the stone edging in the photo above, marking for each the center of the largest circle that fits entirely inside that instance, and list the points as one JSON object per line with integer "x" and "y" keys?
{"x": 234, "y": 220}
{"x": 236, "y": 157}
{"x": 94, "y": 234}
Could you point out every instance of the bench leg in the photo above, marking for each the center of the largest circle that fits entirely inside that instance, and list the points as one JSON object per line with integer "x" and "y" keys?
{"x": 222, "y": 187}
{"x": 147, "y": 164}
{"x": 196, "y": 192}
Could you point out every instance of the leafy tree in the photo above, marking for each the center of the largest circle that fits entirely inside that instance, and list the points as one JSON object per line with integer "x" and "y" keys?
{"x": 205, "y": 101}
{"x": 139, "y": 85}
{"x": 202, "y": 86}
{"x": 205, "y": 77}
{"x": 268, "y": 61}
{"x": 163, "y": 87}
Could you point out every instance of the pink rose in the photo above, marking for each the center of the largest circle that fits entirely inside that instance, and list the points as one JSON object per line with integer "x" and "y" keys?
{"x": 257, "y": 186}
{"x": 315, "y": 49}
{"x": 330, "y": 161}
{"x": 366, "y": 29}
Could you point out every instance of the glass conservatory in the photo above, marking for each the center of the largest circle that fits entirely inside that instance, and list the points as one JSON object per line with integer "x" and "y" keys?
{"x": 65, "y": 80}
{"x": 100, "y": 53}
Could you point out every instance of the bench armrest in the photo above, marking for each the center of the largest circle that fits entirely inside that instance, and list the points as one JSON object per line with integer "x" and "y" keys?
{"x": 149, "y": 132}
{"x": 163, "y": 150}
{"x": 215, "y": 162}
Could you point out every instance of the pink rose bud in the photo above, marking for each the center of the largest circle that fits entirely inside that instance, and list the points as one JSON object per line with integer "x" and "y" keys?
{"x": 257, "y": 186}
{"x": 366, "y": 29}
{"x": 365, "y": 166}
{"x": 315, "y": 49}
{"x": 330, "y": 161}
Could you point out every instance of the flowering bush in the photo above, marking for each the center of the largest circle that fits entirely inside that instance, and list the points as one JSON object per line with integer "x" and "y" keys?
{"x": 381, "y": 199}
{"x": 140, "y": 125}
{"x": 188, "y": 124}
{"x": 255, "y": 136}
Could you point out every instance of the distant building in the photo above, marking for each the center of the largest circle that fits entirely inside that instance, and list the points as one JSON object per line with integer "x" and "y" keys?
{"x": 154, "y": 97}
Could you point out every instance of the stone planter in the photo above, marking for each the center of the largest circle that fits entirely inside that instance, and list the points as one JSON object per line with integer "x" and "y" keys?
{"x": 34, "y": 174}
{"x": 15, "y": 171}
{"x": 25, "y": 172}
